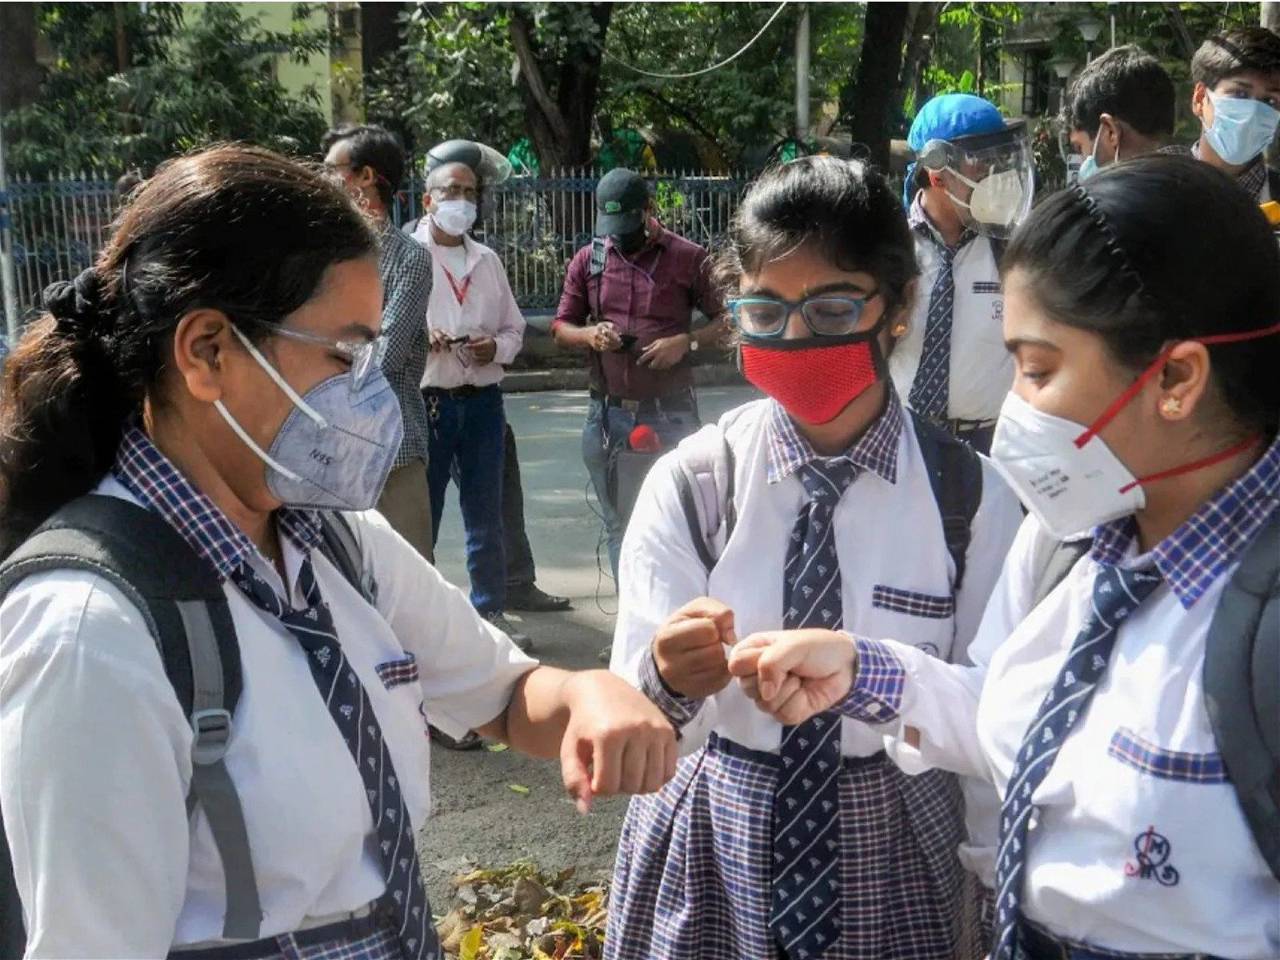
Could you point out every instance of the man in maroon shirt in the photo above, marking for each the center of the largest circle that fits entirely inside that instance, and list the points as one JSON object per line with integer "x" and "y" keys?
{"x": 628, "y": 300}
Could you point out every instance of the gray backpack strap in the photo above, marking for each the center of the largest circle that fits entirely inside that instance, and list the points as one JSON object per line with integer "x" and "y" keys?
{"x": 181, "y": 598}
{"x": 1241, "y": 680}
{"x": 339, "y": 544}
{"x": 704, "y": 468}
{"x": 1056, "y": 560}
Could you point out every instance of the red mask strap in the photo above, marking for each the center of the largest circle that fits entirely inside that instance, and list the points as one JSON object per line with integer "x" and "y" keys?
{"x": 1195, "y": 465}
{"x": 1135, "y": 388}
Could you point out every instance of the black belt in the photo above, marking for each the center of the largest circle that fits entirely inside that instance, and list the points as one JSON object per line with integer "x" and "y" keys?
{"x": 1041, "y": 945}
{"x": 459, "y": 393}
{"x": 958, "y": 427}
{"x": 682, "y": 401}
{"x": 349, "y": 930}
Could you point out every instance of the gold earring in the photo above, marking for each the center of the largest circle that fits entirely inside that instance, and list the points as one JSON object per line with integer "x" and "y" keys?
{"x": 1171, "y": 406}
{"x": 898, "y": 329}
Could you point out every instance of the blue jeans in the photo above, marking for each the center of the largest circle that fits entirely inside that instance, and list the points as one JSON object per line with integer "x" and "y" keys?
{"x": 468, "y": 430}
{"x": 602, "y": 438}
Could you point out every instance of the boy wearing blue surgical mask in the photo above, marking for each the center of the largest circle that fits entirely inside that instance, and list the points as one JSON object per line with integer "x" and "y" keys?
{"x": 1237, "y": 98}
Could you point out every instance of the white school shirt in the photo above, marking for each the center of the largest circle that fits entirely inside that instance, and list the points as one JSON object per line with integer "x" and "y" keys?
{"x": 488, "y": 309}
{"x": 1141, "y": 764}
{"x": 96, "y": 753}
{"x": 981, "y": 368}
{"x": 893, "y": 564}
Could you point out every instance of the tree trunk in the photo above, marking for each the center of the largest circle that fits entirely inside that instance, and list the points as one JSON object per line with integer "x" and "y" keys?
{"x": 559, "y": 118}
{"x": 922, "y": 21}
{"x": 872, "y": 99}
{"x": 20, "y": 76}
{"x": 379, "y": 32}
{"x": 1270, "y": 15}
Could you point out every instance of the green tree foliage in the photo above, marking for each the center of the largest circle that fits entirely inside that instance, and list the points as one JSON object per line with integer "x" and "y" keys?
{"x": 451, "y": 77}
{"x": 185, "y": 81}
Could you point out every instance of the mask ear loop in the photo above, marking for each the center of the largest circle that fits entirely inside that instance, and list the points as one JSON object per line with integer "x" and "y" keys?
{"x": 280, "y": 381}
{"x": 1155, "y": 367}
{"x": 252, "y": 444}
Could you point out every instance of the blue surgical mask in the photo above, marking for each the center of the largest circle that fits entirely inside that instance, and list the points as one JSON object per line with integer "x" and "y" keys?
{"x": 1089, "y": 166}
{"x": 337, "y": 446}
{"x": 1242, "y": 128}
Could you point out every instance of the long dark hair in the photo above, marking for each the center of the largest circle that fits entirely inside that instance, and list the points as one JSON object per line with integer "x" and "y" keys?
{"x": 234, "y": 228}
{"x": 1158, "y": 249}
{"x": 844, "y": 208}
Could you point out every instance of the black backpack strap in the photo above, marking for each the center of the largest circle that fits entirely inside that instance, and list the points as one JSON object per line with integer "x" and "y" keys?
{"x": 180, "y": 596}
{"x": 1241, "y": 667}
{"x": 955, "y": 476}
{"x": 339, "y": 544}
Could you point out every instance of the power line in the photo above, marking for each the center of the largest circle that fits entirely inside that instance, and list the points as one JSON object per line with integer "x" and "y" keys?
{"x": 698, "y": 73}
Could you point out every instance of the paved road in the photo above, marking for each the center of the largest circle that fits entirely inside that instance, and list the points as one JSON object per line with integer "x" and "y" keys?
{"x": 477, "y": 815}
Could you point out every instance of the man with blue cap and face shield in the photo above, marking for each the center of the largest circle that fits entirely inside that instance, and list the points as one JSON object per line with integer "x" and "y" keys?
{"x": 969, "y": 187}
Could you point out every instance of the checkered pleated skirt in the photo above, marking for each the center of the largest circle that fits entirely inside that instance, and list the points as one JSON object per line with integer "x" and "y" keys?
{"x": 692, "y": 880}
{"x": 380, "y": 945}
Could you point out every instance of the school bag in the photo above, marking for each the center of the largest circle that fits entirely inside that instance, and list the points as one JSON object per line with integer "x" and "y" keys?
{"x": 705, "y": 486}
{"x": 1241, "y": 673}
{"x": 180, "y": 596}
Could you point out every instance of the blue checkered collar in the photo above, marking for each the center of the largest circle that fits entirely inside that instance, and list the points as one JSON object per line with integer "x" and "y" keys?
{"x": 151, "y": 477}
{"x": 1192, "y": 557}
{"x": 919, "y": 222}
{"x": 876, "y": 450}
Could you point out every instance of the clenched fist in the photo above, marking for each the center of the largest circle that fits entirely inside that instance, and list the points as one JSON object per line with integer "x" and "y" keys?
{"x": 689, "y": 648}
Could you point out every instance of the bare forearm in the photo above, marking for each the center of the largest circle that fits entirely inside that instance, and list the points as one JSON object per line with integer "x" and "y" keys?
{"x": 535, "y": 719}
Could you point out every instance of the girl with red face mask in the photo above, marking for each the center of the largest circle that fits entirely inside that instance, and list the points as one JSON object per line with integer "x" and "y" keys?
{"x": 810, "y": 840}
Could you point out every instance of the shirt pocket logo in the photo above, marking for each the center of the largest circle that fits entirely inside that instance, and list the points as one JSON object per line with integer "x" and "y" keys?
{"x": 911, "y": 603}
{"x": 1143, "y": 755}
{"x": 397, "y": 672}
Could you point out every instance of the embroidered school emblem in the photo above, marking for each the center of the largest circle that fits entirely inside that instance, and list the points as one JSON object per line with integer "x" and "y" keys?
{"x": 1152, "y": 852}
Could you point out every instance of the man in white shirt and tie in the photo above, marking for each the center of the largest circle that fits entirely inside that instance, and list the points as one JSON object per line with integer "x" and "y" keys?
{"x": 970, "y": 186}
{"x": 475, "y": 329}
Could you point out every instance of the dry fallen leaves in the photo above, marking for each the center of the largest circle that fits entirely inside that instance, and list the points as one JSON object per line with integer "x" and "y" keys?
{"x": 519, "y": 913}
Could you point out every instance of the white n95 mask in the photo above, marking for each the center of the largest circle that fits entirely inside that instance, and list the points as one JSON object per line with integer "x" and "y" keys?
{"x": 1070, "y": 488}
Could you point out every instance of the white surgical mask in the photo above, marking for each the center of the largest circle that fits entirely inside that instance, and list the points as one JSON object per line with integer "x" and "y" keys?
{"x": 1071, "y": 489}
{"x": 454, "y": 217}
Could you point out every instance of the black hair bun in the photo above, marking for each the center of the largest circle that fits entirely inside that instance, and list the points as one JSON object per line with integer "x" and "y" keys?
{"x": 75, "y": 304}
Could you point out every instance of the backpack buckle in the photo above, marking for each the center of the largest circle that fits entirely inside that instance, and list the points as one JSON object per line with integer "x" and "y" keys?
{"x": 213, "y": 732}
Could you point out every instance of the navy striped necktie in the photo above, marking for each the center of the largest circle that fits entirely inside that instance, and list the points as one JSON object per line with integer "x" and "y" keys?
{"x": 404, "y": 902}
{"x": 804, "y": 913}
{"x": 1116, "y": 594}
{"x": 930, "y": 391}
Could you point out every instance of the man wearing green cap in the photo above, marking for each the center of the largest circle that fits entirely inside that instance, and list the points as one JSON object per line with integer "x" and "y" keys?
{"x": 628, "y": 300}
{"x": 969, "y": 187}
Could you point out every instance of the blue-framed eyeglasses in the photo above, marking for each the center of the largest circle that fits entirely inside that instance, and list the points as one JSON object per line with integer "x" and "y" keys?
{"x": 365, "y": 356}
{"x": 824, "y": 315}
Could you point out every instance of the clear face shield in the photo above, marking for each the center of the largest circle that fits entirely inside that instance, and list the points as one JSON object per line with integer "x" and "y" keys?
{"x": 989, "y": 177}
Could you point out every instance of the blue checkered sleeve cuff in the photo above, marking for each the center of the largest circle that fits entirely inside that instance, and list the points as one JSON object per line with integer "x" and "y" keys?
{"x": 876, "y": 694}
{"x": 679, "y": 710}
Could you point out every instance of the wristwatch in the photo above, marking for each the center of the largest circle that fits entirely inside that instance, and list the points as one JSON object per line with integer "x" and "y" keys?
{"x": 693, "y": 343}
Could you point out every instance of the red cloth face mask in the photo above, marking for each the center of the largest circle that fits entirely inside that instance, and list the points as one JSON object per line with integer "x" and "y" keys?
{"x": 814, "y": 378}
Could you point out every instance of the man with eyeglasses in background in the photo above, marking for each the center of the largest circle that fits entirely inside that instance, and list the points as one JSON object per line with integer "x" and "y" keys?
{"x": 369, "y": 162}
{"x": 475, "y": 328}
